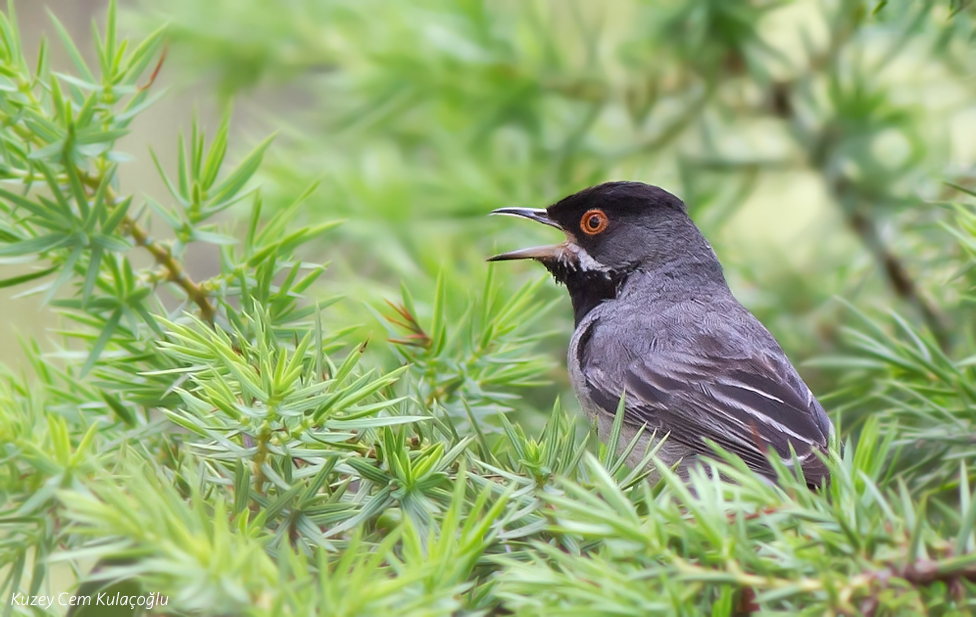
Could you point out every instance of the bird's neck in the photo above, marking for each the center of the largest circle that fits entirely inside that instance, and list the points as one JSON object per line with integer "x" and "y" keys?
{"x": 686, "y": 275}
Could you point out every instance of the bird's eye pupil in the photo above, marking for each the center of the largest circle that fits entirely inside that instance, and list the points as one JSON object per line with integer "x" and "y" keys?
{"x": 593, "y": 222}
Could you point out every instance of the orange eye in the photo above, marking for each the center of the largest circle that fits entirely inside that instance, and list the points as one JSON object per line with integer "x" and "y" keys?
{"x": 593, "y": 222}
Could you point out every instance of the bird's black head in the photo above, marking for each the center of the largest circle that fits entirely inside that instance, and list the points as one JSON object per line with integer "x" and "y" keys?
{"x": 613, "y": 230}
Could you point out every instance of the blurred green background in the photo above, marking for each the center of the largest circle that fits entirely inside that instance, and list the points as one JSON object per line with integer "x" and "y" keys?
{"x": 809, "y": 138}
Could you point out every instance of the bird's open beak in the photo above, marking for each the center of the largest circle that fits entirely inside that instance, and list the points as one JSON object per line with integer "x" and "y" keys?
{"x": 539, "y": 215}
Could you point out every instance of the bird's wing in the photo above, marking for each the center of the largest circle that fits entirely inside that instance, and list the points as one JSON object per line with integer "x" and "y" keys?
{"x": 744, "y": 404}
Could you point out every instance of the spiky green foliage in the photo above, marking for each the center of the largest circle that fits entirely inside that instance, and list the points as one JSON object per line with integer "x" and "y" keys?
{"x": 218, "y": 442}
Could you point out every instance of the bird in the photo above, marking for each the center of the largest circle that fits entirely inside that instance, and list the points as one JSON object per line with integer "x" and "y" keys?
{"x": 657, "y": 326}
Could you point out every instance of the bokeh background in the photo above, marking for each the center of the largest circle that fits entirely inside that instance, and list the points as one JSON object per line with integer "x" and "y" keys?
{"x": 811, "y": 139}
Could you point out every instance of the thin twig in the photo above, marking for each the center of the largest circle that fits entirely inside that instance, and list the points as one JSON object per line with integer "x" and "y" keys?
{"x": 260, "y": 458}
{"x": 175, "y": 271}
{"x": 901, "y": 282}
{"x": 162, "y": 253}
{"x": 864, "y": 226}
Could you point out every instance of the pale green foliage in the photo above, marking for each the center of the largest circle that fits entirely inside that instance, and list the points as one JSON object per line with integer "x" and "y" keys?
{"x": 426, "y": 114}
{"x": 235, "y": 452}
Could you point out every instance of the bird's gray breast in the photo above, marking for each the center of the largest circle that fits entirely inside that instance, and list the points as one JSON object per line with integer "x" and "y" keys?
{"x": 586, "y": 334}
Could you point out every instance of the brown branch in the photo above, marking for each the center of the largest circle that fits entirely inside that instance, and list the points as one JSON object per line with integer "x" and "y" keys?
{"x": 925, "y": 572}
{"x": 870, "y": 583}
{"x": 779, "y": 102}
{"x": 921, "y": 573}
{"x": 175, "y": 272}
{"x": 898, "y": 278}
{"x": 162, "y": 254}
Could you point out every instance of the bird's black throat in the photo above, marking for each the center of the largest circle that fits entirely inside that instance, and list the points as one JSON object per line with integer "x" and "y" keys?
{"x": 587, "y": 288}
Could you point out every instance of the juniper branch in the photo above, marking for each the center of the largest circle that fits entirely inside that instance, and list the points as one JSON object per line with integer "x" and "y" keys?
{"x": 162, "y": 253}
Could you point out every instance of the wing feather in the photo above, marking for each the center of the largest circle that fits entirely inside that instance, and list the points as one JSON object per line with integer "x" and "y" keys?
{"x": 746, "y": 405}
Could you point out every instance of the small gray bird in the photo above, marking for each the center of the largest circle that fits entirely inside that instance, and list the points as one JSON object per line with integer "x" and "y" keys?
{"x": 656, "y": 322}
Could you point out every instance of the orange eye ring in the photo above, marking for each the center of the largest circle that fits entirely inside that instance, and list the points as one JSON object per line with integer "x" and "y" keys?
{"x": 594, "y": 222}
